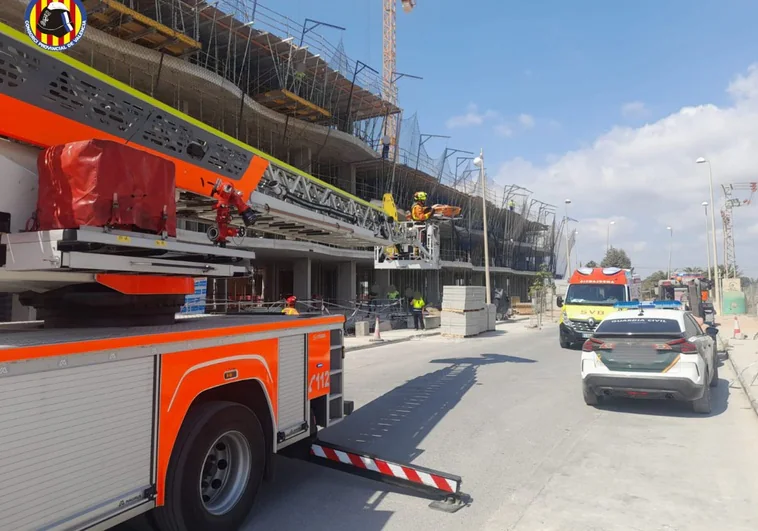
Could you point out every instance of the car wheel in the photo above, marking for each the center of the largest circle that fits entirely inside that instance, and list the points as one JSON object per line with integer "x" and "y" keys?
{"x": 565, "y": 344}
{"x": 590, "y": 398}
{"x": 703, "y": 404}
{"x": 215, "y": 471}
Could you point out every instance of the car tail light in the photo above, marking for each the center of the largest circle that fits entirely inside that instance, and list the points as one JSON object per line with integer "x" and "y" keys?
{"x": 593, "y": 344}
{"x": 683, "y": 346}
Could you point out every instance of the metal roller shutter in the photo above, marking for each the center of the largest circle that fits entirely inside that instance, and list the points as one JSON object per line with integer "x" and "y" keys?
{"x": 76, "y": 444}
{"x": 292, "y": 396}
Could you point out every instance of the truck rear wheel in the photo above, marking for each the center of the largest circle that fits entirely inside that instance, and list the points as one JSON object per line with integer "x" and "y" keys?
{"x": 215, "y": 471}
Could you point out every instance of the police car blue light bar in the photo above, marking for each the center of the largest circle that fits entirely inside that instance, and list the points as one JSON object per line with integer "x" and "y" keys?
{"x": 649, "y": 305}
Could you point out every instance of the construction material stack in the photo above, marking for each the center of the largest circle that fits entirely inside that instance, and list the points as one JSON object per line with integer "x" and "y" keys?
{"x": 464, "y": 312}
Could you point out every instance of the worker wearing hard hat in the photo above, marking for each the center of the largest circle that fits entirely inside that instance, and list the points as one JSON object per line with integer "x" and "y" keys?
{"x": 417, "y": 310}
{"x": 290, "y": 308}
{"x": 419, "y": 211}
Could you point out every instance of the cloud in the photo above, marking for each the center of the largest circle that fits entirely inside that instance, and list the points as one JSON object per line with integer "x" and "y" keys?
{"x": 634, "y": 109}
{"x": 503, "y": 130}
{"x": 646, "y": 179}
{"x": 526, "y": 120}
{"x": 471, "y": 118}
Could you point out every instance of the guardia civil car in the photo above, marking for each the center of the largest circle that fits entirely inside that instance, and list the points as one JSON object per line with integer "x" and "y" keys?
{"x": 651, "y": 350}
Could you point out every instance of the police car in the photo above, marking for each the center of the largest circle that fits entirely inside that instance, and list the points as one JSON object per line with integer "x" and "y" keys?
{"x": 651, "y": 350}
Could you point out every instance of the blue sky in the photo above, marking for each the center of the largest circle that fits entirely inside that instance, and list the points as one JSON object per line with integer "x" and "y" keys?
{"x": 622, "y": 97}
{"x": 575, "y": 63}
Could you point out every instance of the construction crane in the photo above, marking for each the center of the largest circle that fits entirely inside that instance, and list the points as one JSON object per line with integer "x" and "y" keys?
{"x": 389, "y": 64}
{"x": 731, "y": 202}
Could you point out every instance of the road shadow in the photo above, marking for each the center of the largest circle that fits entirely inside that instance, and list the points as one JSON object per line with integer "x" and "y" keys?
{"x": 670, "y": 408}
{"x": 392, "y": 426}
{"x": 395, "y": 423}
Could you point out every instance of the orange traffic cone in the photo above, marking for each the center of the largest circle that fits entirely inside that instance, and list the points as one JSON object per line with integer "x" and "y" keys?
{"x": 737, "y": 331}
{"x": 377, "y": 335}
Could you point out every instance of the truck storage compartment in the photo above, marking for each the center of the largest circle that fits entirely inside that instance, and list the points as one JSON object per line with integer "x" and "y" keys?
{"x": 100, "y": 183}
{"x": 76, "y": 444}
{"x": 292, "y": 395}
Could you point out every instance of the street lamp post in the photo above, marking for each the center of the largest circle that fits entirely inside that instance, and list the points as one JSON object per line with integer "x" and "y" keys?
{"x": 717, "y": 280}
{"x": 608, "y": 237}
{"x": 568, "y": 248}
{"x": 707, "y": 251}
{"x": 479, "y": 162}
{"x": 671, "y": 245}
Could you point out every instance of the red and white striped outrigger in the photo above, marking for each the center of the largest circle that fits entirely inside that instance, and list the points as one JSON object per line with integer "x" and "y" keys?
{"x": 443, "y": 486}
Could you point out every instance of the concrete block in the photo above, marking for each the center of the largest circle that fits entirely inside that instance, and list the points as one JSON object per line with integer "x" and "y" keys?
{"x": 362, "y": 329}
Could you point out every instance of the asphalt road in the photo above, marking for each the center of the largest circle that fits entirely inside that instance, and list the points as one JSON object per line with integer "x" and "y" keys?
{"x": 506, "y": 413}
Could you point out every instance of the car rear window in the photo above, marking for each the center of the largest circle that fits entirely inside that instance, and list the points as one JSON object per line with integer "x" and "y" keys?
{"x": 638, "y": 325}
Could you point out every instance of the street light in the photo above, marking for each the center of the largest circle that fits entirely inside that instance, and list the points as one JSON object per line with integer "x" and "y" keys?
{"x": 479, "y": 163}
{"x": 707, "y": 251}
{"x": 568, "y": 248}
{"x": 717, "y": 281}
{"x": 608, "y": 237}
{"x": 671, "y": 244}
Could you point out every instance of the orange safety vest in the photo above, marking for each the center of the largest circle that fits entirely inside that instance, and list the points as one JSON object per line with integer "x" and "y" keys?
{"x": 290, "y": 311}
{"x": 420, "y": 213}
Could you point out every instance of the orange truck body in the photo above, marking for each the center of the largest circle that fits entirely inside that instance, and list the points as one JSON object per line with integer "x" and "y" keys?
{"x": 115, "y": 377}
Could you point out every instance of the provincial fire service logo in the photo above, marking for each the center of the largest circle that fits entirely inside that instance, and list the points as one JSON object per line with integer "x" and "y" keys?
{"x": 55, "y": 25}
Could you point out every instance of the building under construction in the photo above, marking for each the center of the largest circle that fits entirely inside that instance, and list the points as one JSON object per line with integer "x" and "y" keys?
{"x": 278, "y": 85}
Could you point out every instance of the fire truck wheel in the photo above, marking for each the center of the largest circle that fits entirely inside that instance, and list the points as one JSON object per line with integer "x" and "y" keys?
{"x": 215, "y": 471}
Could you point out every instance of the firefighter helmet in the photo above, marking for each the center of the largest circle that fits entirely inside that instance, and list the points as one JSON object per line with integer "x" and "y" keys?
{"x": 291, "y": 300}
{"x": 419, "y": 196}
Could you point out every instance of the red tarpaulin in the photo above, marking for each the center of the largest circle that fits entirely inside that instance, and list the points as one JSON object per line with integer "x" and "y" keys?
{"x": 77, "y": 183}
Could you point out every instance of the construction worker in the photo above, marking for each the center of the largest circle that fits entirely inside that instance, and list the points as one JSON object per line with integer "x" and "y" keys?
{"x": 511, "y": 205}
{"x": 393, "y": 294}
{"x": 290, "y": 308}
{"x": 417, "y": 309}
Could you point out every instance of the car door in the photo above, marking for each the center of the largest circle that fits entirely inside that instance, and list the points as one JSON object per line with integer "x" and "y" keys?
{"x": 703, "y": 341}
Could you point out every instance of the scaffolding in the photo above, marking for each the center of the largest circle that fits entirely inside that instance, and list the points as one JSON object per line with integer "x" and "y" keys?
{"x": 280, "y": 86}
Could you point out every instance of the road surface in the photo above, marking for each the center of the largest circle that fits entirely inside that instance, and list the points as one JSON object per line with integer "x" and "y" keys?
{"x": 506, "y": 413}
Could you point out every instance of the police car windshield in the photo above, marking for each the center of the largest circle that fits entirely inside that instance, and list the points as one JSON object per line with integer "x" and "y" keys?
{"x": 638, "y": 325}
{"x": 595, "y": 294}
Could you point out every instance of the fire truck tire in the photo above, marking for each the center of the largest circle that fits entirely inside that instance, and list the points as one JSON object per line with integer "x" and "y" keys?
{"x": 202, "y": 491}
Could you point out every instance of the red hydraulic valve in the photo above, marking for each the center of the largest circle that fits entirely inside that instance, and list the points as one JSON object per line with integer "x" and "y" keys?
{"x": 228, "y": 198}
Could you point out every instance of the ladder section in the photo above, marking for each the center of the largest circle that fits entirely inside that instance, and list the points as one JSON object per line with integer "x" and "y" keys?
{"x": 49, "y": 99}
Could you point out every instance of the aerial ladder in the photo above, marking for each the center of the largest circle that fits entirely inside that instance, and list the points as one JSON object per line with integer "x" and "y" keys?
{"x": 169, "y": 410}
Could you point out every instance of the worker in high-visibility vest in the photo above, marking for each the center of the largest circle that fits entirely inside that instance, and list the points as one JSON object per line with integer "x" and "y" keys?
{"x": 290, "y": 308}
{"x": 511, "y": 205}
{"x": 393, "y": 294}
{"x": 420, "y": 213}
{"x": 417, "y": 310}
{"x": 419, "y": 210}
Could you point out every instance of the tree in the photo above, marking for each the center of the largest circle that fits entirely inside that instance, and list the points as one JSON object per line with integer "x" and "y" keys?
{"x": 591, "y": 263}
{"x": 616, "y": 258}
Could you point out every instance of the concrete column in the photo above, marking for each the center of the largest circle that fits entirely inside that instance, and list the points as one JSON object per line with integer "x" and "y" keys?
{"x": 346, "y": 178}
{"x": 347, "y": 281}
{"x": 302, "y": 278}
{"x": 301, "y": 158}
{"x": 382, "y": 279}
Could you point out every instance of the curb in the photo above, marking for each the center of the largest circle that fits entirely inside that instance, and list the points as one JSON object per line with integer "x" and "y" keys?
{"x": 401, "y": 340}
{"x": 745, "y": 388}
{"x": 388, "y": 342}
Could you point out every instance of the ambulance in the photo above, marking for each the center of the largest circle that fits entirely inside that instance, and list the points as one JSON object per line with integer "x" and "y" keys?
{"x": 591, "y": 295}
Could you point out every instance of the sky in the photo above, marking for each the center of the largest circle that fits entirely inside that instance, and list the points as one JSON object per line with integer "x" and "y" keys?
{"x": 608, "y": 104}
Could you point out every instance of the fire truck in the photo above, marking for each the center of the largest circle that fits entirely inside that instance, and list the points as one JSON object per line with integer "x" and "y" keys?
{"x": 111, "y": 406}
